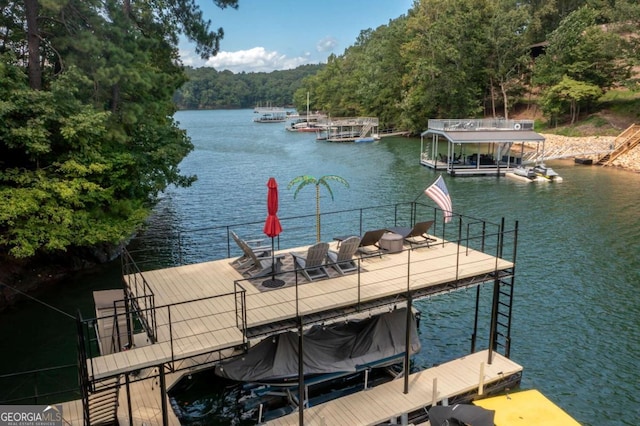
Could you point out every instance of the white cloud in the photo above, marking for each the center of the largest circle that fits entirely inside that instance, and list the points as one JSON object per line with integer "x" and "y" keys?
{"x": 256, "y": 59}
{"x": 326, "y": 44}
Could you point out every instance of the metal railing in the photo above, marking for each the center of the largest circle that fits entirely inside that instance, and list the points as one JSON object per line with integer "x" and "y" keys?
{"x": 472, "y": 124}
{"x": 40, "y": 386}
{"x": 165, "y": 330}
{"x": 139, "y": 294}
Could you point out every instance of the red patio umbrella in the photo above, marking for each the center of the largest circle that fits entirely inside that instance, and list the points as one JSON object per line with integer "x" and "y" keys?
{"x": 272, "y": 225}
{"x": 272, "y": 228}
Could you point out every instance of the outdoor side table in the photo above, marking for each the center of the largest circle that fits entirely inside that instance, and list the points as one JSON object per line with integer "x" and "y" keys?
{"x": 391, "y": 242}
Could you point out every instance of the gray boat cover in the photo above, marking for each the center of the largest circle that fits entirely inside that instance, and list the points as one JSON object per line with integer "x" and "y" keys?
{"x": 327, "y": 349}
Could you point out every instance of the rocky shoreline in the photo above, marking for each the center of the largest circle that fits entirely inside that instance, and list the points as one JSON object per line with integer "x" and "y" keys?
{"x": 589, "y": 144}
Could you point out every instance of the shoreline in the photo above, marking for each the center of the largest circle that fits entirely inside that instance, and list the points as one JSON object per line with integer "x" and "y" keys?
{"x": 629, "y": 161}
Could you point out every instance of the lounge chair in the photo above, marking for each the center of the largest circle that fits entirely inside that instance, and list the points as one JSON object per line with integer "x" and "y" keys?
{"x": 342, "y": 260}
{"x": 250, "y": 249}
{"x": 369, "y": 243}
{"x": 416, "y": 236}
{"x": 264, "y": 265}
{"x": 312, "y": 263}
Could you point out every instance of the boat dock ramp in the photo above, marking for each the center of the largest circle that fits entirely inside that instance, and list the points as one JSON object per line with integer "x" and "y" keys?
{"x": 185, "y": 318}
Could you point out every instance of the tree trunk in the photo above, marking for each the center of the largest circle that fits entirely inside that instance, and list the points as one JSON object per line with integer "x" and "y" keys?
{"x": 505, "y": 99}
{"x": 33, "y": 44}
{"x": 493, "y": 98}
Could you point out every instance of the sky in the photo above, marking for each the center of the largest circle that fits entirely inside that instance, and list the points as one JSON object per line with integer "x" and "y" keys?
{"x": 268, "y": 35}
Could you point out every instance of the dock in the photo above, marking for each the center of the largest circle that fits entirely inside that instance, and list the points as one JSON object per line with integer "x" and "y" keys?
{"x": 352, "y": 129}
{"x": 387, "y": 403}
{"x": 190, "y": 317}
{"x": 479, "y": 147}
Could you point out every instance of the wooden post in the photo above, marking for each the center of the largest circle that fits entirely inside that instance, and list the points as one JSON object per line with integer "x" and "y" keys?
{"x": 481, "y": 385}
{"x": 434, "y": 397}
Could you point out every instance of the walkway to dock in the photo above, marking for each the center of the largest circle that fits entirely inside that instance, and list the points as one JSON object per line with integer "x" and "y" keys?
{"x": 387, "y": 402}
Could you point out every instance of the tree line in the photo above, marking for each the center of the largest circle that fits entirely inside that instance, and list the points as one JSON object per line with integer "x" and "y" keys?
{"x": 453, "y": 58}
{"x": 470, "y": 58}
{"x": 207, "y": 88}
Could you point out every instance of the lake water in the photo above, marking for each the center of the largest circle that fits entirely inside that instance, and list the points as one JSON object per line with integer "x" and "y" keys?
{"x": 576, "y": 314}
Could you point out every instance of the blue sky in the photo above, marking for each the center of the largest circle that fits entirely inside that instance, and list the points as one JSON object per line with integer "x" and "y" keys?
{"x": 267, "y": 35}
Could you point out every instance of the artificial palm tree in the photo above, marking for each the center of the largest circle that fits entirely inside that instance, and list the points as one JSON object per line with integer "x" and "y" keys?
{"x": 305, "y": 180}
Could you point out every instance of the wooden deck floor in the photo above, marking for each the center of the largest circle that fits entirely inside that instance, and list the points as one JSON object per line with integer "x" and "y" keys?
{"x": 388, "y": 401}
{"x": 205, "y": 318}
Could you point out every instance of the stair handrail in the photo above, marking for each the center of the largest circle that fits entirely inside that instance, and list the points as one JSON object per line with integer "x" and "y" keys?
{"x": 624, "y": 142}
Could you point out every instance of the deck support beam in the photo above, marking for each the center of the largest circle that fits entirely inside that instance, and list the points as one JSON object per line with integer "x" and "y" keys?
{"x": 301, "y": 390}
{"x": 407, "y": 342}
{"x": 163, "y": 395}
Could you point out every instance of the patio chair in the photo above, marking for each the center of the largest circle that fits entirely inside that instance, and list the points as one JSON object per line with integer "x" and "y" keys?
{"x": 369, "y": 243}
{"x": 250, "y": 249}
{"x": 342, "y": 260}
{"x": 312, "y": 263}
{"x": 416, "y": 236}
{"x": 263, "y": 265}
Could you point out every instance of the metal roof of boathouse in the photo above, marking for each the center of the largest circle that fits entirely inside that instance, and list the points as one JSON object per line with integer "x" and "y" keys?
{"x": 483, "y": 130}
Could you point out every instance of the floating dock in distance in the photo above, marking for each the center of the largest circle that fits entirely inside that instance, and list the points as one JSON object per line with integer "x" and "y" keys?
{"x": 585, "y": 161}
{"x": 528, "y": 407}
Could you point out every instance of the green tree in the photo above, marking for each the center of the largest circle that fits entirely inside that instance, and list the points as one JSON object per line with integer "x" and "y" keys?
{"x": 306, "y": 180}
{"x": 507, "y": 58}
{"x": 582, "y": 59}
{"x": 570, "y": 95}
{"x": 447, "y": 51}
{"x": 87, "y": 138}
{"x": 583, "y": 51}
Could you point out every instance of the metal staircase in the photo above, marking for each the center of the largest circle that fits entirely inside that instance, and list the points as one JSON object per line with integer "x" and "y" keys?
{"x": 624, "y": 143}
{"x": 102, "y": 402}
{"x": 99, "y": 397}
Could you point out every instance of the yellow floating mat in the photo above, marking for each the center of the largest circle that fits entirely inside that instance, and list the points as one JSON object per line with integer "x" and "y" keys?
{"x": 528, "y": 407}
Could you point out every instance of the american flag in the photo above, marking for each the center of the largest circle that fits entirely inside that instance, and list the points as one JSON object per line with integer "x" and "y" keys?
{"x": 438, "y": 193}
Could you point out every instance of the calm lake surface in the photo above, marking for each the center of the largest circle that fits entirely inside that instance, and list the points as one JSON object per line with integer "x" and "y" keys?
{"x": 576, "y": 321}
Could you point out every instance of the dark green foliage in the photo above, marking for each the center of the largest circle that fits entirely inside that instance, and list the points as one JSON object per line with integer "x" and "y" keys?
{"x": 207, "y": 88}
{"x": 583, "y": 60}
{"x": 87, "y": 138}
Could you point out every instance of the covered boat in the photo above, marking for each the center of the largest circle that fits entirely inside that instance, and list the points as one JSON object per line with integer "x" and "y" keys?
{"x": 338, "y": 348}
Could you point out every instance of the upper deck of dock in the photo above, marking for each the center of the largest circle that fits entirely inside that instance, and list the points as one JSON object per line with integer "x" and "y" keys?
{"x": 209, "y": 307}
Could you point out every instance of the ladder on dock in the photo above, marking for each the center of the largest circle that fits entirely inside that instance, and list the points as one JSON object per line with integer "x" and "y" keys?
{"x": 502, "y": 314}
{"x": 624, "y": 143}
{"x": 502, "y": 308}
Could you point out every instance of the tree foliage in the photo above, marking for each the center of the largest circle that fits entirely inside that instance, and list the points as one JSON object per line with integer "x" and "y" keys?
{"x": 207, "y": 88}
{"x": 87, "y": 138}
{"x": 450, "y": 58}
{"x": 583, "y": 60}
